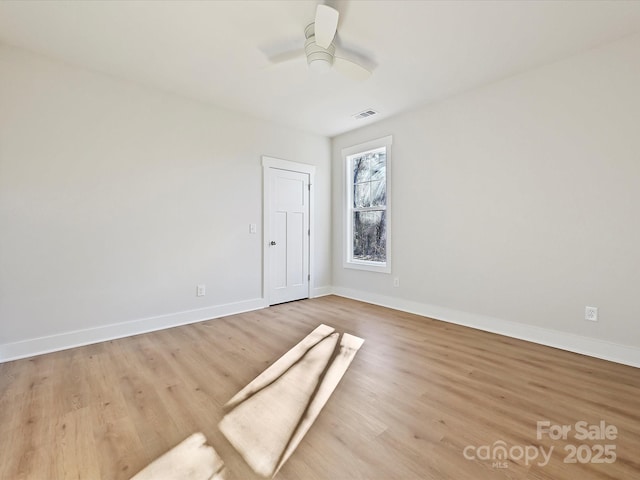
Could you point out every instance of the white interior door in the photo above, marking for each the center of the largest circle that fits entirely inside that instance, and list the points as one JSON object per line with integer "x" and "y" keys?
{"x": 288, "y": 235}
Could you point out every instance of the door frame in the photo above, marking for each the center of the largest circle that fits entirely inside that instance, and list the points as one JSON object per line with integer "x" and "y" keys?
{"x": 279, "y": 164}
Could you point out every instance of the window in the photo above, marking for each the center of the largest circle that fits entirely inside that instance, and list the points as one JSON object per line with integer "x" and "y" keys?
{"x": 367, "y": 206}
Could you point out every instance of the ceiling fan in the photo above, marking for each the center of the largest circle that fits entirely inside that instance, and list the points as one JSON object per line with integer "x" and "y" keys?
{"x": 320, "y": 48}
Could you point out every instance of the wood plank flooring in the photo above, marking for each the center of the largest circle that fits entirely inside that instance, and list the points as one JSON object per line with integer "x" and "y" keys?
{"x": 417, "y": 394}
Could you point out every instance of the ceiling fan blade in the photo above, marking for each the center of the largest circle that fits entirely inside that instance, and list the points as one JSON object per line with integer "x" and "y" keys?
{"x": 326, "y": 25}
{"x": 351, "y": 69}
{"x": 286, "y": 56}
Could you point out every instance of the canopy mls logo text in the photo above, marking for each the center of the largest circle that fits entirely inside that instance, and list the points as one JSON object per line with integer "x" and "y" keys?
{"x": 500, "y": 453}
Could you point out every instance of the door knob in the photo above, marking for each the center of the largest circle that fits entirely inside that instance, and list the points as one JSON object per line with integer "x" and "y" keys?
{"x": 272, "y": 242}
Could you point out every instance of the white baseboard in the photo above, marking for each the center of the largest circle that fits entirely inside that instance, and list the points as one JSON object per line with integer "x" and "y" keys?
{"x": 78, "y": 338}
{"x": 614, "y": 352}
{"x": 321, "y": 291}
{"x": 592, "y": 347}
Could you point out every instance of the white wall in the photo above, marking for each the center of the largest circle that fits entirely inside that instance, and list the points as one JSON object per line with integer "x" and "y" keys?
{"x": 116, "y": 200}
{"x": 517, "y": 204}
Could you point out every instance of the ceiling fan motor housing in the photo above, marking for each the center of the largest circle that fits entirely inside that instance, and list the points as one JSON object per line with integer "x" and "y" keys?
{"x": 316, "y": 55}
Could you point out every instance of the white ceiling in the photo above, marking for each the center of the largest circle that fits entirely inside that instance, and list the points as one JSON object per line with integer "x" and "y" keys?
{"x": 216, "y": 51}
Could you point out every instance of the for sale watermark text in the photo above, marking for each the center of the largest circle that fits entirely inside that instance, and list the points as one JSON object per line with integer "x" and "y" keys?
{"x": 580, "y": 431}
{"x": 600, "y": 448}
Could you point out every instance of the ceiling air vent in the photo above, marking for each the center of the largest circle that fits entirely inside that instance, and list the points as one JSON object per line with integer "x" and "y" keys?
{"x": 365, "y": 114}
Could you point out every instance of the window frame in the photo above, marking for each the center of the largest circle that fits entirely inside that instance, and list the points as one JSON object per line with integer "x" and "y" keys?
{"x": 348, "y": 155}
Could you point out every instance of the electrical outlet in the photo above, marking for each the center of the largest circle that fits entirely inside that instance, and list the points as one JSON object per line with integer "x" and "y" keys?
{"x": 201, "y": 290}
{"x": 591, "y": 314}
{"x": 396, "y": 282}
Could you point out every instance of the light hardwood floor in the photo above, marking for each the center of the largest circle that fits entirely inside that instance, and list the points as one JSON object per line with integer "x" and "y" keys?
{"x": 418, "y": 392}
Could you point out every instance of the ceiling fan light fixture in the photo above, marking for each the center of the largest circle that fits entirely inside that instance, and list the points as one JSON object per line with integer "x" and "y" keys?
{"x": 320, "y": 65}
{"x": 319, "y": 59}
{"x": 320, "y": 49}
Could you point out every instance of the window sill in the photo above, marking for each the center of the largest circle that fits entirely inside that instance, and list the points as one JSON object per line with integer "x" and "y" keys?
{"x": 368, "y": 266}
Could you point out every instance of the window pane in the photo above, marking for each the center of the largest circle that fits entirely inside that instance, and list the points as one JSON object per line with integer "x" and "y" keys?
{"x": 369, "y": 236}
{"x": 361, "y": 195}
{"x": 378, "y": 166}
{"x": 361, "y": 172}
{"x": 366, "y": 205}
{"x": 378, "y": 194}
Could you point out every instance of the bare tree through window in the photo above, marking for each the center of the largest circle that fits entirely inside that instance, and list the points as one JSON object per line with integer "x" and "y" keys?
{"x": 369, "y": 227}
